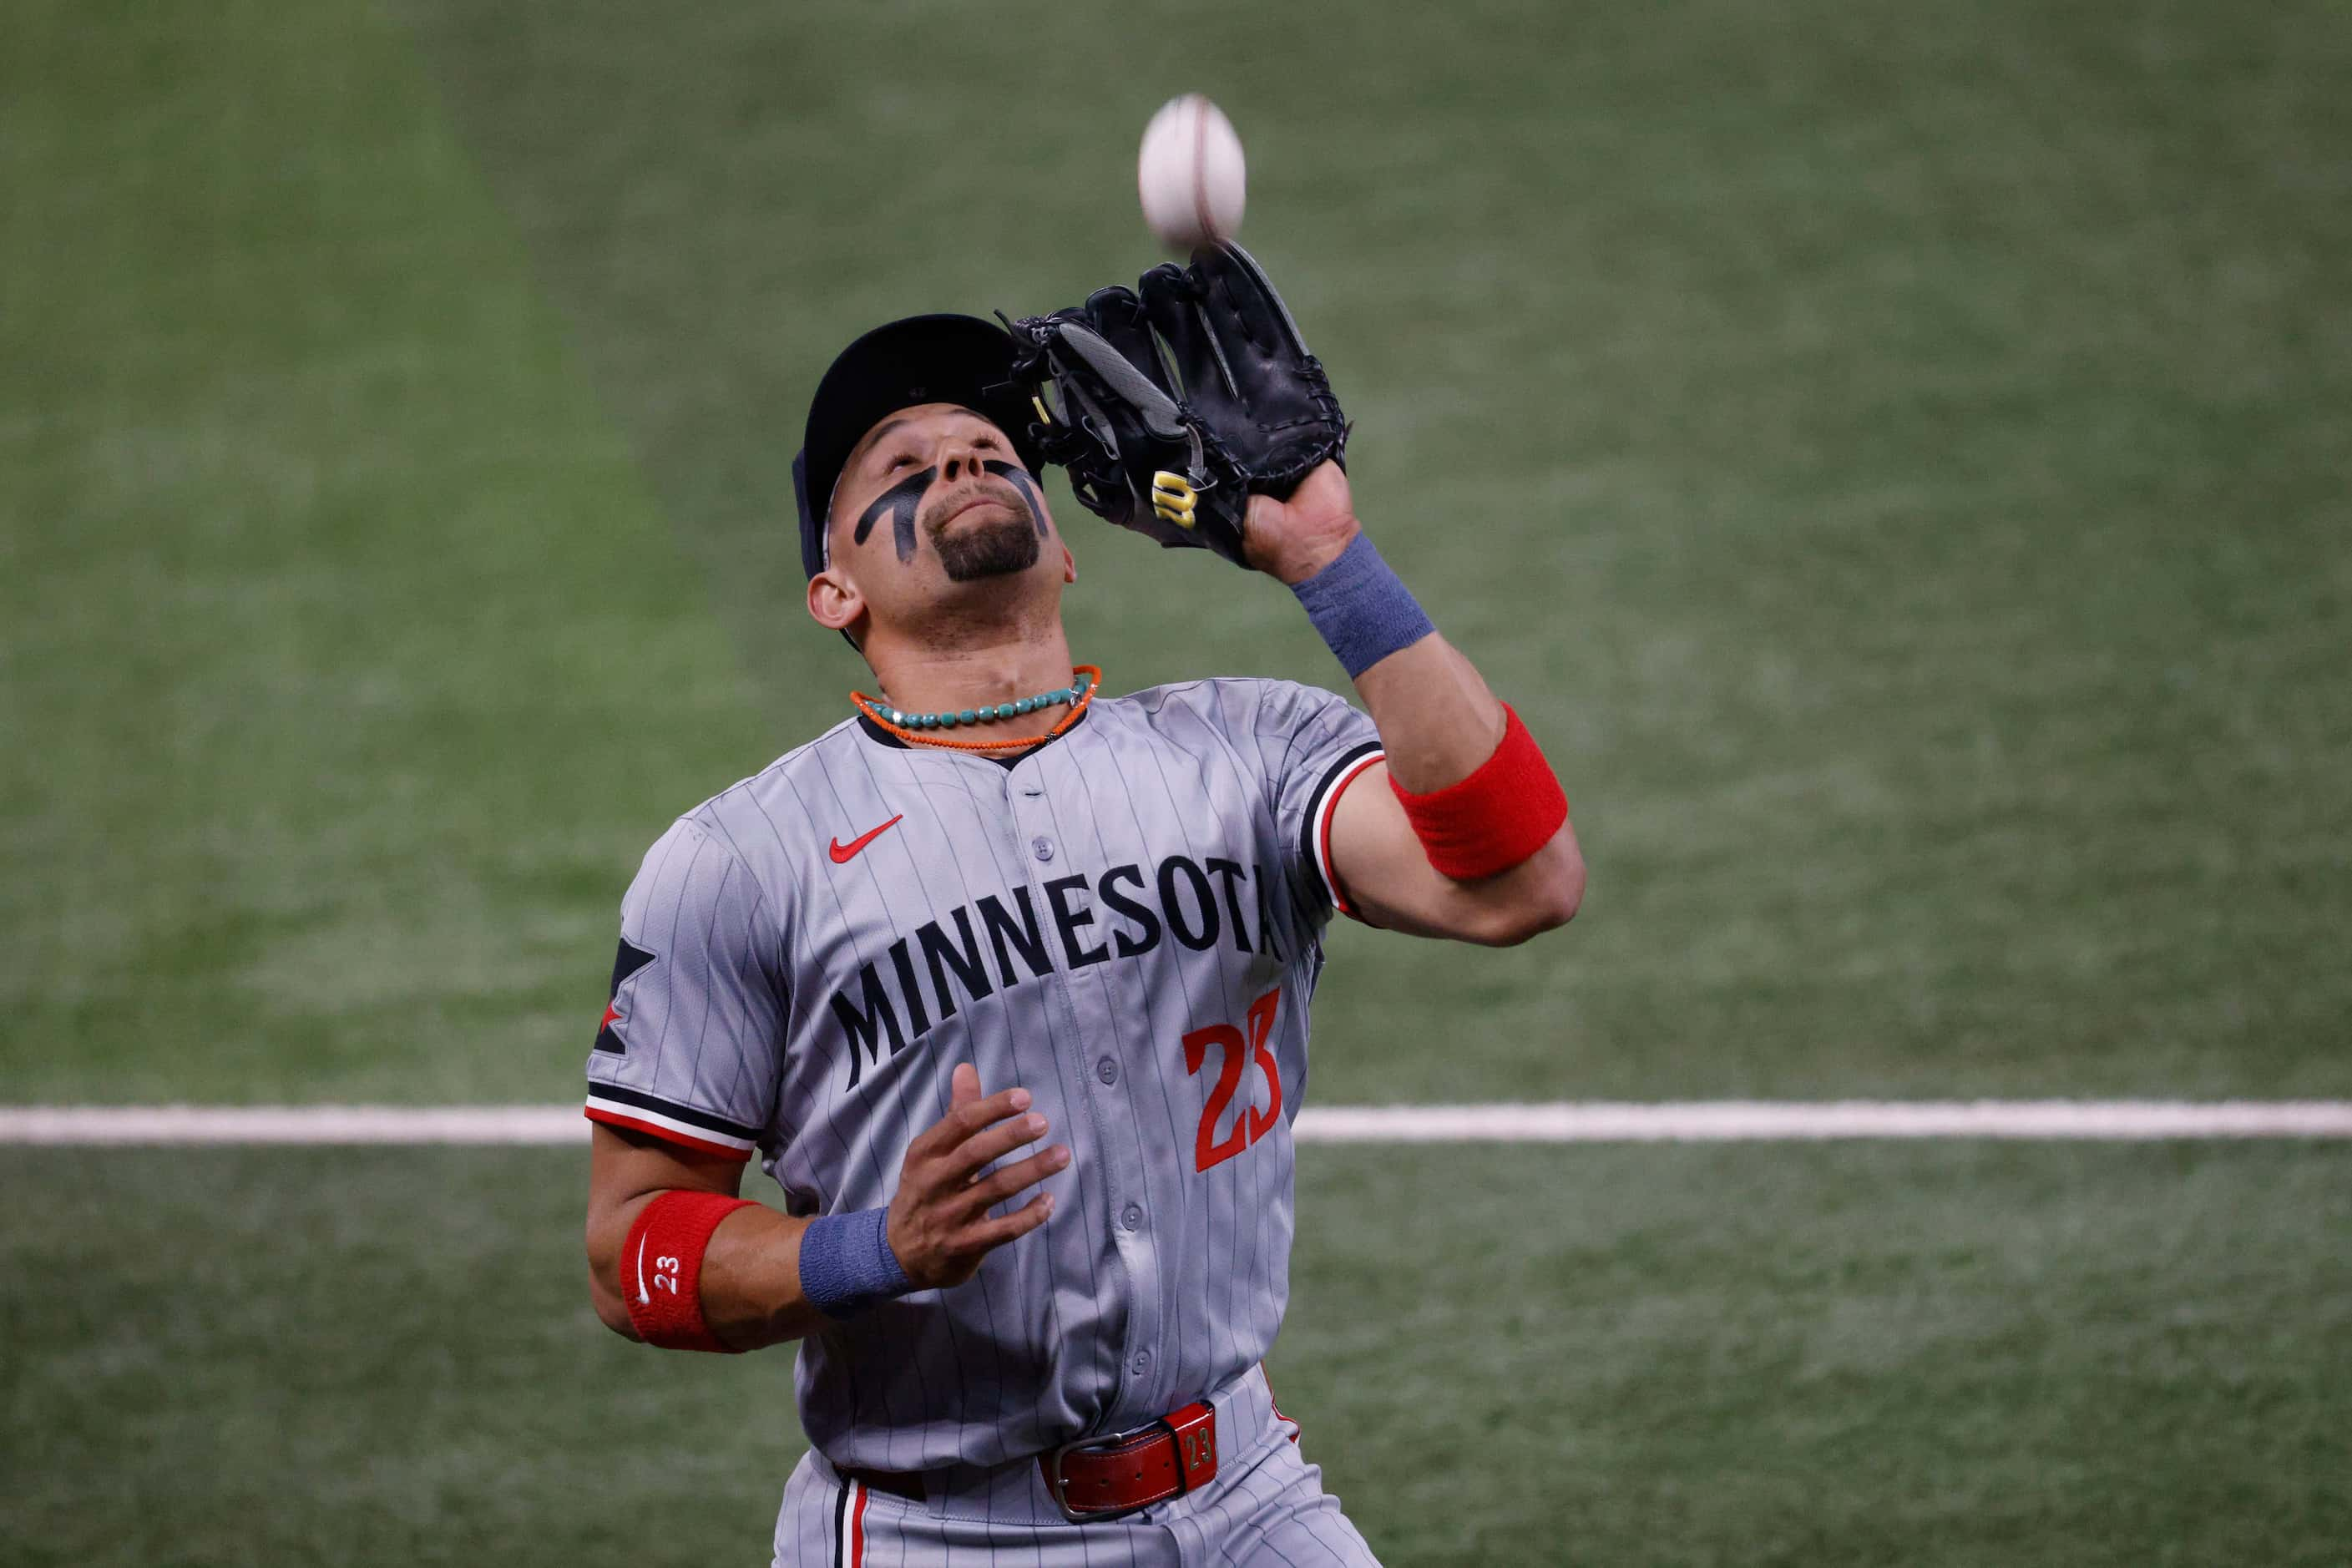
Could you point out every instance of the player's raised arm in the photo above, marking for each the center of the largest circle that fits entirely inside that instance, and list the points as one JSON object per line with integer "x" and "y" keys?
{"x": 677, "y": 1259}
{"x": 1461, "y": 829}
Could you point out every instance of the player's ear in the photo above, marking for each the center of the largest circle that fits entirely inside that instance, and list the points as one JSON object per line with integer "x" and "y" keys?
{"x": 1070, "y": 565}
{"x": 834, "y": 601}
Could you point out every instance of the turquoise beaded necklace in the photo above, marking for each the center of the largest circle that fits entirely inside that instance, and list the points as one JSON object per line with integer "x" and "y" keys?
{"x": 985, "y": 714}
{"x": 1083, "y": 681}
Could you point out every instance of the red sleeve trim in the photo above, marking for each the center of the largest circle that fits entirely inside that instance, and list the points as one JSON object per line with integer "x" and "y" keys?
{"x": 1327, "y": 812}
{"x": 666, "y": 1134}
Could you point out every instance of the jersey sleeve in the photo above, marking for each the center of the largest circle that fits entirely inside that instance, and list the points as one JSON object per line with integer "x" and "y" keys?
{"x": 690, "y": 1047}
{"x": 1314, "y": 745}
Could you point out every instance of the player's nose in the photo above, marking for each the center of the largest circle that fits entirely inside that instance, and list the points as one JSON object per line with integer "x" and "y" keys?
{"x": 959, "y": 460}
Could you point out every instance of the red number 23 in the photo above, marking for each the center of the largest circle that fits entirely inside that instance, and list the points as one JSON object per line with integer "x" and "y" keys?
{"x": 1250, "y": 1125}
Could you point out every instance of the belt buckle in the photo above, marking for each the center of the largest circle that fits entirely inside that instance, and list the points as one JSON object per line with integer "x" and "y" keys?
{"x": 1055, "y": 1484}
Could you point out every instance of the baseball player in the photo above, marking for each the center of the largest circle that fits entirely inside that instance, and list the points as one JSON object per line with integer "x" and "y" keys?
{"x": 1007, "y": 980}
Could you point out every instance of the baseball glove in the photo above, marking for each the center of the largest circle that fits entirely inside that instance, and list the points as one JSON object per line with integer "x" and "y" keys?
{"x": 1173, "y": 403}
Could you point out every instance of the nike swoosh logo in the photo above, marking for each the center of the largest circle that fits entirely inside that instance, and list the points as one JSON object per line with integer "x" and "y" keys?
{"x": 844, "y": 853}
{"x": 645, "y": 1296}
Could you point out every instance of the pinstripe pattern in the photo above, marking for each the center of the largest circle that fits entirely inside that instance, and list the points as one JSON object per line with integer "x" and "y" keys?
{"x": 1097, "y": 922}
{"x": 1266, "y": 1507}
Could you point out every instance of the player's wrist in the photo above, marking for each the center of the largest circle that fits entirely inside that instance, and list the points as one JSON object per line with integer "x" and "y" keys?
{"x": 1292, "y": 555}
{"x": 1294, "y": 562}
{"x": 1361, "y": 608}
{"x": 847, "y": 1264}
{"x": 1294, "y": 540}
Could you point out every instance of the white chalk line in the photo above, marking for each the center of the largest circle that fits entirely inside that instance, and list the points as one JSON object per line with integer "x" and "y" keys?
{"x": 1581, "y": 1121}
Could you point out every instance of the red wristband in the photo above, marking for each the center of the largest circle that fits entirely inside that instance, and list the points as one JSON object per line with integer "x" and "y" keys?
{"x": 1508, "y": 808}
{"x": 661, "y": 1267}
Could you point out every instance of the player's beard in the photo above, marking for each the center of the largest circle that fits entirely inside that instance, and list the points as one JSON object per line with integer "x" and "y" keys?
{"x": 996, "y": 547}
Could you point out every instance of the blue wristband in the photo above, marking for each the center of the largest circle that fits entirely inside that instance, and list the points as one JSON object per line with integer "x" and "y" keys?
{"x": 847, "y": 1264}
{"x": 1363, "y": 610}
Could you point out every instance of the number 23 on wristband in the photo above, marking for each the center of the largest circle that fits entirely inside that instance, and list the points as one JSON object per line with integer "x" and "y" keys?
{"x": 1250, "y": 1123}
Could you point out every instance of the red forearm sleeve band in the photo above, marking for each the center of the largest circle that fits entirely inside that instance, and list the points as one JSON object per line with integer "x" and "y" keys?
{"x": 1508, "y": 808}
{"x": 661, "y": 1267}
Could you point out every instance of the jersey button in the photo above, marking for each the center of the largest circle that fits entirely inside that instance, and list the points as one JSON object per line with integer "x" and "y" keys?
{"x": 1131, "y": 1216}
{"x": 1107, "y": 1070}
{"x": 1043, "y": 846}
{"x": 1142, "y": 1363}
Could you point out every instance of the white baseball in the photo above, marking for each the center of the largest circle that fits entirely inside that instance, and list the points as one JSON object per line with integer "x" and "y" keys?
{"x": 1190, "y": 173}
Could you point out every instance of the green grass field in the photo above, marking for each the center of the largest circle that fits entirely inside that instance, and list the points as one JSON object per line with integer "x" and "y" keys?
{"x": 1894, "y": 456}
{"x": 1938, "y": 1356}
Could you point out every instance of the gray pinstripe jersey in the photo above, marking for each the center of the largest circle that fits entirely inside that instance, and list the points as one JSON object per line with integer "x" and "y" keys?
{"x": 1127, "y": 921}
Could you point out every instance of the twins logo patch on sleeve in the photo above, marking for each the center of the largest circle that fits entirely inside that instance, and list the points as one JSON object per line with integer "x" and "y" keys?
{"x": 1127, "y": 921}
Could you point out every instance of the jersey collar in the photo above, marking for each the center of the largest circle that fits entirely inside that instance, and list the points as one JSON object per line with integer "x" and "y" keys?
{"x": 1006, "y": 760}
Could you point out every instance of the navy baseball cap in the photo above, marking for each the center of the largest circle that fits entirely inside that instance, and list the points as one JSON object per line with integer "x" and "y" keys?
{"x": 917, "y": 359}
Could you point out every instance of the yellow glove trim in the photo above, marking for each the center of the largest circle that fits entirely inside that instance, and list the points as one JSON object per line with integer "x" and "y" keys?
{"x": 1172, "y": 498}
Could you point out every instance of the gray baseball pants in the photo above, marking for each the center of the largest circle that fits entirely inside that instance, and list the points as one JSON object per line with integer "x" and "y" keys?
{"x": 1265, "y": 1509}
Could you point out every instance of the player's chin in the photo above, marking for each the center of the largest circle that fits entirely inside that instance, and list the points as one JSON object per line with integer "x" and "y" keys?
{"x": 984, "y": 542}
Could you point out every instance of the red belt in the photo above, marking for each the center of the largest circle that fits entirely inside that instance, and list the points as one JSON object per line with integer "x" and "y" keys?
{"x": 1111, "y": 1477}
{"x": 1105, "y": 1478}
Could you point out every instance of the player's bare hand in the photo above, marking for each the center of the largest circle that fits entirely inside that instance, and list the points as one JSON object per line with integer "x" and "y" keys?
{"x": 939, "y": 1225}
{"x": 1295, "y": 539}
